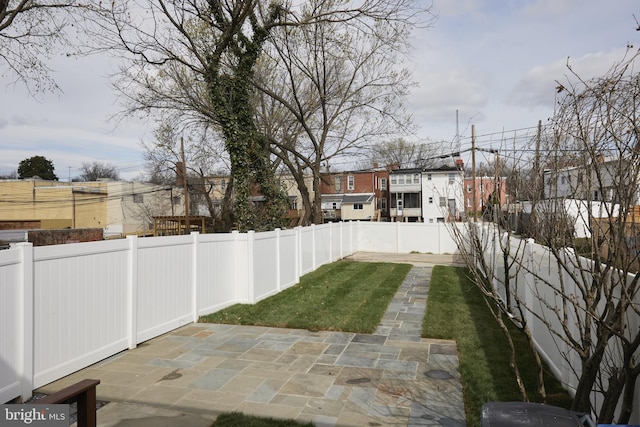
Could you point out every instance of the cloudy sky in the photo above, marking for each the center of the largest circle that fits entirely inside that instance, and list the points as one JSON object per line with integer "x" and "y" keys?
{"x": 495, "y": 62}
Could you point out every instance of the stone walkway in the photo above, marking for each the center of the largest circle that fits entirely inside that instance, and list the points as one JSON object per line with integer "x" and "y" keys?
{"x": 390, "y": 378}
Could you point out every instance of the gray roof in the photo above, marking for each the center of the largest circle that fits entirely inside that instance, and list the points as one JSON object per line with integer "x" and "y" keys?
{"x": 357, "y": 198}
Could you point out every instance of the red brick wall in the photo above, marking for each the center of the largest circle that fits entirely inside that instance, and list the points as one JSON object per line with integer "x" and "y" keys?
{"x": 19, "y": 225}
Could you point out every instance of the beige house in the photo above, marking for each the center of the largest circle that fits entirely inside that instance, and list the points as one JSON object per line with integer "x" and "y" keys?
{"x": 35, "y": 203}
{"x": 118, "y": 207}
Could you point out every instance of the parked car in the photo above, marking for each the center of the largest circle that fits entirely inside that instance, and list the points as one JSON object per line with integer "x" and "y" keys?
{"x": 525, "y": 414}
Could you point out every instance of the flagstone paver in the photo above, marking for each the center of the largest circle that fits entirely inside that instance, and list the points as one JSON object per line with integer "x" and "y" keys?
{"x": 390, "y": 378}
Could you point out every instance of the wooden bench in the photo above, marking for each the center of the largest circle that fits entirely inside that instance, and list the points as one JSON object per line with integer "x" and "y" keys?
{"x": 84, "y": 393}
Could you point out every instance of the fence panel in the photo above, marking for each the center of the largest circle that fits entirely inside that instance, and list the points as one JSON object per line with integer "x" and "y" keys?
{"x": 164, "y": 285}
{"x": 378, "y": 237}
{"x": 218, "y": 275}
{"x": 323, "y": 244}
{"x": 337, "y": 248}
{"x": 288, "y": 258}
{"x": 11, "y": 319}
{"x": 80, "y": 306}
{"x": 265, "y": 265}
{"x": 307, "y": 252}
{"x": 92, "y": 300}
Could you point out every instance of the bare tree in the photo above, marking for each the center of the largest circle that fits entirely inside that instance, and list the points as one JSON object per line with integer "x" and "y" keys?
{"x": 11, "y": 175}
{"x": 30, "y": 31}
{"x": 587, "y": 305}
{"x": 203, "y": 157}
{"x": 217, "y": 44}
{"x": 96, "y": 170}
{"x": 331, "y": 88}
{"x": 405, "y": 154}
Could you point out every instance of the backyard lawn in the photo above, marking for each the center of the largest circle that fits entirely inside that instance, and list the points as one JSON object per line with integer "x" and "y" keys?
{"x": 343, "y": 296}
{"x": 353, "y": 296}
{"x": 457, "y": 311}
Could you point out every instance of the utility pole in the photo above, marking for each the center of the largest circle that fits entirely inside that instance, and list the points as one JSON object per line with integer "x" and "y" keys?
{"x": 187, "y": 226}
{"x": 473, "y": 173}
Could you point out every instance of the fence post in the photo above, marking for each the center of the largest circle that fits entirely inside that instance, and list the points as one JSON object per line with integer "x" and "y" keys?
{"x": 236, "y": 264}
{"x": 314, "y": 248}
{"x": 25, "y": 370}
{"x": 278, "y": 259}
{"x": 530, "y": 280}
{"x": 132, "y": 299}
{"x": 341, "y": 237}
{"x": 398, "y": 236}
{"x": 251, "y": 267}
{"x": 331, "y": 226}
{"x": 194, "y": 275}
{"x": 298, "y": 253}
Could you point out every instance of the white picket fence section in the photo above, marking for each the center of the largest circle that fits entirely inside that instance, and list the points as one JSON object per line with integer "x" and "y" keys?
{"x": 65, "y": 307}
{"x": 537, "y": 291}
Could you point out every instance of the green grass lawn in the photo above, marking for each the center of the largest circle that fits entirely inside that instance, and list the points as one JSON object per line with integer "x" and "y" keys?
{"x": 353, "y": 296}
{"x": 457, "y": 311}
{"x": 343, "y": 296}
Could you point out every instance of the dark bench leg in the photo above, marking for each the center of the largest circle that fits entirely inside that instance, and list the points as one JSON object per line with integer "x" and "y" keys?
{"x": 87, "y": 408}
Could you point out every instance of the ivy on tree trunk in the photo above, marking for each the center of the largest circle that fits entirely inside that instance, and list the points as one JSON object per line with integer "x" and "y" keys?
{"x": 231, "y": 92}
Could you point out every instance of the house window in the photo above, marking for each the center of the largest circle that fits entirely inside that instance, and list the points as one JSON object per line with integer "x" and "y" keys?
{"x": 337, "y": 183}
{"x": 401, "y": 179}
{"x": 358, "y": 206}
{"x": 138, "y": 198}
{"x": 350, "y": 182}
{"x": 416, "y": 178}
{"x": 430, "y": 200}
{"x": 383, "y": 183}
{"x": 383, "y": 204}
{"x": 452, "y": 178}
{"x": 294, "y": 204}
{"x": 440, "y": 220}
{"x": 393, "y": 179}
{"x": 443, "y": 201}
{"x": 563, "y": 180}
{"x": 411, "y": 200}
{"x": 175, "y": 200}
{"x": 468, "y": 188}
{"x": 469, "y": 202}
{"x": 223, "y": 184}
{"x": 334, "y": 205}
{"x": 428, "y": 177}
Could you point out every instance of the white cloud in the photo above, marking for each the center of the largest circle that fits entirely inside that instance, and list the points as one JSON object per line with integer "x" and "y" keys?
{"x": 537, "y": 86}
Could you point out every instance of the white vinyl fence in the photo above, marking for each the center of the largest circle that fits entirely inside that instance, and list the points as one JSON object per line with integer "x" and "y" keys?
{"x": 65, "y": 307}
{"x": 536, "y": 284}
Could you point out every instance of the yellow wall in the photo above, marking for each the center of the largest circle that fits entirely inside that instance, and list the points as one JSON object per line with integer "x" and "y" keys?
{"x": 55, "y": 204}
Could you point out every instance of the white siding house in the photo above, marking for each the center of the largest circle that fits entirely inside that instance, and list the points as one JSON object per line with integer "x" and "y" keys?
{"x": 442, "y": 194}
